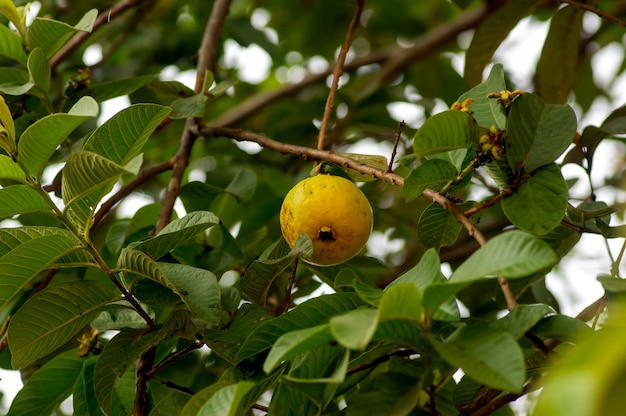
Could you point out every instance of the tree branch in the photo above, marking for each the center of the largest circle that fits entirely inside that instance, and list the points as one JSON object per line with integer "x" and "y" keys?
{"x": 393, "y": 60}
{"x": 206, "y": 58}
{"x": 210, "y": 40}
{"x": 595, "y": 10}
{"x": 329, "y": 156}
{"x": 104, "y": 17}
{"x": 144, "y": 176}
{"x": 330, "y": 101}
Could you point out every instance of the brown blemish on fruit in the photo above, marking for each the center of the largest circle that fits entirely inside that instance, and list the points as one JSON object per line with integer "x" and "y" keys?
{"x": 326, "y": 234}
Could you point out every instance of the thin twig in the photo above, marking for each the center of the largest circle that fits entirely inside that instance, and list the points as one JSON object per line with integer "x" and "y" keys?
{"x": 210, "y": 40}
{"x": 206, "y": 57}
{"x": 395, "y": 145}
{"x": 192, "y": 347}
{"x": 181, "y": 161}
{"x": 144, "y": 176}
{"x": 143, "y": 365}
{"x": 379, "y": 360}
{"x": 325, "y": 155}
{"x": 330, "y": 101}
{"x": 595, "y": 10}
{"x": 487, "y": 203}
{"x": 292, "y": 283}
{"x": 397, "y": 57}
{"x": 79, "y": 38}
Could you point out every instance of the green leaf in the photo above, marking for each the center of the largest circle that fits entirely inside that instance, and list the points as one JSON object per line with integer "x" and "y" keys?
{"x": 104, "y": 91}
{"x": 26, "y": 260}
{"x": 522, "y": 318}
{"x": 39, "y": 73}
{"x": 425, "y": 274}
{"x": 198, "y": 289}
{"x": 539, "y": 205}
{"x": 176, "y": 233}
{"x": 81, "y": 193}
{"x": 84, "y": 394}
{"x": 40, "y": 140}
{"x": 401, "y": 301}
{"x": 512, "y": 254}
{"x": 487, "y": 355}
{"x": 386, "y": 393}
{"x": 259, "y": 276}
{"x": 15, "y": 16}
{"x": 539, "y": 133}
{"x": 491, "y": 32}
{"x": 21, "y": 199}
{"x": 320, "y": 389}
{"x": 368, "y": 293}
{"x": 11, "y": 45}
{"x": 119, "y": 355}
{"x": 354, "y": 330}
{"x": 40, "y": 396}
{"x": 15, "y": 81}
{"x": 587, "y": 379}
{"x": 615, "y": 123}
{"x": 487, "y": 111}
{"x": 313, "y": 312}
{"x": 400, "y": 331}
{"x": 50, "y": 35}
{"x": 243, "y": 185}
{"x": 432, "y": 173}
{"x": 11, "y": 238}
{"x": 446, "y": 131}
{"x": 227, "y": 401}
{"x": 171, "y": 404}
{"x": 52, "y": 317}
{"x": 437, "y": 227}
{"x": 561, "y": 328}
{"x": 296, "y": 342}
{"x": 10, "y": 170}
{"x": 558, "y": 64}
{"x": 122, "y": 137}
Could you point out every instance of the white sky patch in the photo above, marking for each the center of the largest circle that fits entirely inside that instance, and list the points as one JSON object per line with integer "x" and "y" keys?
{"x": 111, "y": 107}
{"x": 93, "y": 54}
{"x": 253, "y": 63}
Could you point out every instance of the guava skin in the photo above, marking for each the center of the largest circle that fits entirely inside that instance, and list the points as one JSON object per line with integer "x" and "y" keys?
{"x": 333, "y": 212}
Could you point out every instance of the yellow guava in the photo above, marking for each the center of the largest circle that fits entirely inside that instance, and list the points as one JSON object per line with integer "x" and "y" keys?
{"x": 333, "y": 212}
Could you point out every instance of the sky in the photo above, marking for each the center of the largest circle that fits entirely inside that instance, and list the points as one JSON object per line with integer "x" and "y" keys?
{"x": 574, "y": 283}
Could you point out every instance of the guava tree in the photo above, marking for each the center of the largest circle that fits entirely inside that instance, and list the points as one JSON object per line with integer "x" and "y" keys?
{"x": 142, "y": 266}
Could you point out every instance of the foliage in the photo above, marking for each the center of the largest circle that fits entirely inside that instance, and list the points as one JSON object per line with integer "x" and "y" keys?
{"x": 142, "y": 268}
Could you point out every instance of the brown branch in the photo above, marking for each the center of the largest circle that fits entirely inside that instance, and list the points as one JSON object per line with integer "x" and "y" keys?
{"x": 144, "y": 176}
{"x": 143, "y": 365}
{"x": 79, "y": 38}
{"x": 395, "y": 145}
{"x": 292, "y": 282}
{"x": 181, "y": 161}
{"x": 397, "y": 57}
{"x": 210, "y": 40}
{"x": 487, "y": 203}
{"x": 192, "y": 347}
{"x": 595, "y": 10}
{"x": 329, "y": 156}
{"x": 330, "y": 101}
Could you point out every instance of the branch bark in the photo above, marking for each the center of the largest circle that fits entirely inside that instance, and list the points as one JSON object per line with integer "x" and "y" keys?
{"x": 79, "y": 38}
{"x": 393, "y": 60}
{"x": 329, "y": 156}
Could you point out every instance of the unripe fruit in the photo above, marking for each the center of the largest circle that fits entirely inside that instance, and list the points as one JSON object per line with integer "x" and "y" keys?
{"x": 333, "y": 212}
